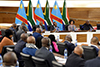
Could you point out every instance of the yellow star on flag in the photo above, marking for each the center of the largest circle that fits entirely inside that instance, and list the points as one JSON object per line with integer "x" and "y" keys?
{"x": 55, "y": 7}
{"x": 38, "y": 6}
{"x": 21, "y": 6}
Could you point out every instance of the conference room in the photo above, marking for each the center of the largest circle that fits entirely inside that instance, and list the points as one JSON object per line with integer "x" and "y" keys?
{"x": 49, "y": 33}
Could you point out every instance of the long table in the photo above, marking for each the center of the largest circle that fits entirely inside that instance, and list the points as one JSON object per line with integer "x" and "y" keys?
{"x": 82, "y": 37}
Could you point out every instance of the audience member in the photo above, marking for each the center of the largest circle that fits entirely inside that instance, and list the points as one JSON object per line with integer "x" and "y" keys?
{"x": 37, "y": 33}
{"x": 75, "y": 60}
{"x": 93, "y": 62}
{"x": 44, "y": 53}
{"x": 52, "y": 38}
{"x": 94, "y": 43}
{"x": 7, "y": 40}
{"x": 71, "y": 46}
{"x": 30, "y": 46}
{"x": 41, "y": 26}
{"x": 55, "y": 28}
{"x": 9, "y": 59}
{"x": 13, "y": 28}
{"x": 87, "y": 26}
{"x": 20, "y": 31}
{"x": 20, "y": 45}
{"x": 71, "y": 26}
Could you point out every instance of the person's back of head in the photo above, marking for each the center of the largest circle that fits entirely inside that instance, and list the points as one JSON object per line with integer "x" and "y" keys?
{"x": 38, "y": 30}
{"x": 8, "y": 33}
{"x": 31, "y": 39}
{"x": 68, "y": 38}
{"x": 23, "y": 27}
{"x": 46, "y": 42}
{"x": 14, "y": 25}
{"x": 94, "y": 41}
{"x": 9, "y": 59}
{"x": 78, "y": 50}
{"x": 24, "y": 37}
{"x": 52, "y": 38}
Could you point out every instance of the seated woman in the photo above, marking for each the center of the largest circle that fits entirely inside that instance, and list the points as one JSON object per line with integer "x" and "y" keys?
{"x": 7, "y": 39}
{"x": 53, "y": 43}
{"x": 72, "y": 27}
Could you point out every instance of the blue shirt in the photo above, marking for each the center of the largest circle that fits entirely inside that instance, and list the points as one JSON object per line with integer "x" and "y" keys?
{"x": 36, "y": 35}
{"x": 29, "y": 51}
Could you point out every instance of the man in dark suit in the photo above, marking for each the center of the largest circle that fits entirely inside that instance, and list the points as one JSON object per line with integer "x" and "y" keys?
{"x": 75, "y": 60}
{"x": 87, "y": 26}
{"x": 93, "y": 62}
{"x": 44, "y": 53}
{"x": 70, "y": 45}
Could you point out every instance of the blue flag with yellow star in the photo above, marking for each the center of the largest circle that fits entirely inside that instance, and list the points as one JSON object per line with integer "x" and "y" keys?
{"x": 57, "y": 17}
{"x": 39, "y": 17}
{"x": 21, "y": 15}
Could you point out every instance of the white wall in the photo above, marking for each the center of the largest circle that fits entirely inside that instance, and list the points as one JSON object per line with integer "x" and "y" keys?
{"x": 70, "y": 3}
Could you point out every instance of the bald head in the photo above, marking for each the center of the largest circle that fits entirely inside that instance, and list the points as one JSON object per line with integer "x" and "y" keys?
{"x": 45, "y": 41}
{"x": 31, "y": 39}
{"x": 41, "y": 23}
{"x": 38, "y": 30}
{"x": 94, "y": 41}
{"x": 10, "y": 59}
{"x": 14, "y": 25}
{"x": 68, "y": 38}
{"x": 24, "y": 37}
{"x": 78, "y": 50}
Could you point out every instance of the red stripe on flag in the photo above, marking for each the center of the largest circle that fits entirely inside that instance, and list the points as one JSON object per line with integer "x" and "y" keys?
{"x": 56, "y": 18}
{"x": 67, "y": 15}
{"x": 39, "y": 18}
{"x": 22, "y": 18}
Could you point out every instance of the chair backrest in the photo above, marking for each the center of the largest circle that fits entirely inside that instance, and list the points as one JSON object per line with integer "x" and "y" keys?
{"x": 38, "y": 42}
{"x": 9, "y": 49}
{"x": 4, "y": 50}
{"x": 66, "y": 27}
{"x": 50, "y": 27}
{"x": 56, "y": 64}
{"x": 98, "y": 26}
{"x": 61, "y": 47}
{"x": 27, "y": 60}
{"x": 34, "y": 27}
{"x": 89, "y": 52}
{"x": 40, "y": 62}
{"x": 81, "y": 27}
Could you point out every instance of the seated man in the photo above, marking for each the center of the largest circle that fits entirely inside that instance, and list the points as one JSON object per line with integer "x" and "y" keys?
{"x": 20, "y": 45}
{"x": 55, "y": 28}
{"x": 87, "y": 26}
{"x": 41, "y": 26}
{"x": 93, "y": 62}
{"x": 30, "y": 48}
{"x": 70, "y": 45}
{"x": 37, "y": 33}
{"x": 44, "y": 53}
{"x": 94, "y": 43}
{"x": 75, "y": 60}
{"x": 9, "y": 59}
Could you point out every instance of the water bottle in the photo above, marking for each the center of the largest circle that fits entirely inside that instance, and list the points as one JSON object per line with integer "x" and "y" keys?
{"x": 65, "y": 53}
{"x": 1, "y": 61}
{"x": 76, "y": 42}
{"x": 50, "y": 49}
{"x": 57, "y": 38}
{"x": 17, "y": 65}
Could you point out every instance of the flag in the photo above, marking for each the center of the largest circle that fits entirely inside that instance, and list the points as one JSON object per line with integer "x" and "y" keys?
{"x": 30, "y": 16}
{"x": 57, "y": 17}
{"x": 46, "y": 13}
{"x": 39, "y": 15}
{"x": 21, "y": 15}
{"x": 65, "y": 15}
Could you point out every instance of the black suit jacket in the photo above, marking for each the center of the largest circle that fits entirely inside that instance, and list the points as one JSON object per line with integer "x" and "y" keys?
{"x": 45, "y": 54}
{"x": 87, "y": 27}
{"x": 74, "y": 61}
{"x": 93, "y": 62}
{"x": 70, "y": 47}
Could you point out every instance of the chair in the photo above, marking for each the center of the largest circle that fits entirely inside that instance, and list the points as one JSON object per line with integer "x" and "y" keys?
{"x": 61, "y": 47}
{"x": 4, "y": 50}
{"x": 38, "y": 42}
{"x": 66, "y": 27}
{"x": 56, "y": 64}
{"x": 34, "y": 27}
{"x": 98, "y": 26}
{"x": 27, "y": 60}
{"x": 40, "y": 62}
{"x": 89, "y": 52}
{"x": 50, "y": 27}
{"x": 9, "y": 49}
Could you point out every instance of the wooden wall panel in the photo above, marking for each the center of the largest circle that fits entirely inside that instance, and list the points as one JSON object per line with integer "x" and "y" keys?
{"x": 63, "y": 36}
{"x": 81, "y": 37}
{"x": 80, "y": 15}
{"x": 97, "y": 35}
